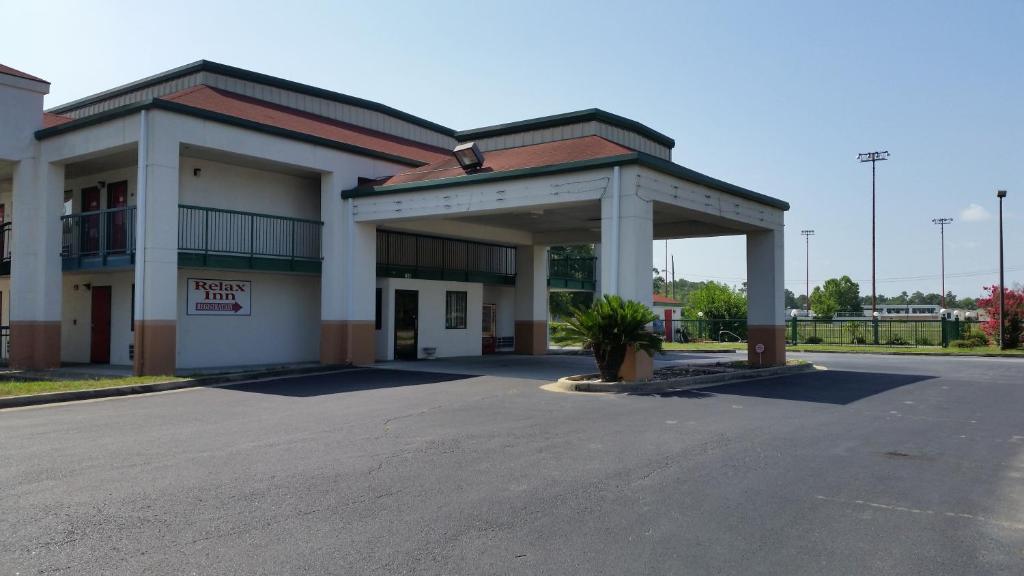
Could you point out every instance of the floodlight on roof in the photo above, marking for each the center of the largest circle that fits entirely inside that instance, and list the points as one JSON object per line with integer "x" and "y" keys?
{"x": 469, "y": 156}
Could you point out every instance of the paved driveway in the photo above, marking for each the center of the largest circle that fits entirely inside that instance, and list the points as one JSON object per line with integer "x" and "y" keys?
{"x": 881, "y": 465}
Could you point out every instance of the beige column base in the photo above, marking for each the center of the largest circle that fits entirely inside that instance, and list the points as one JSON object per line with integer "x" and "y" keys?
{"x": 347, "y": 342}
{"x": 637, "y": 366}
{"x": 156, "y": 347}
{"x": 532, "y": 337}
{"x": 35, "y": 345}
{"x": 774, "y": 340}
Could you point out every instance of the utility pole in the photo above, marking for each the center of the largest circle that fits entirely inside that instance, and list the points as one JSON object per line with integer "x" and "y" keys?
{"x": 807, "y": 289}
{"x": 873, "y": 157}
{"x": 666, "y": 267}
{"x": 942, "y": 239}
{"x": 674, "y": 277}
{"x": 1002, "y": 291}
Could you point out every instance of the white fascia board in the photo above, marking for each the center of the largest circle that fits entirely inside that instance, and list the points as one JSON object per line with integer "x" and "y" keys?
{"x": 659, "y": 187}
{"x": 24, "y": 84}
{"x": 485, "y": 198}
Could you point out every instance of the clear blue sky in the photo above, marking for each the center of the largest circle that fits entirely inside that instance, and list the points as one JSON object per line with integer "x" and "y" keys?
{"x": 774, "y": 96}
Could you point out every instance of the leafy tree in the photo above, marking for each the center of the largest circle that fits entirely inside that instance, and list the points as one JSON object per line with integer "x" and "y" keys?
{"x": 561, "y": 304}
{"x": 842, "y": 291}
{"x": 791, "y": 301}
{"x": 1014, "y": 314}
{"x": 823, "y": 303}
{"x": 608, "y": 329}
{"x": 717, "y": 301}
{"x": 576, "y": 251}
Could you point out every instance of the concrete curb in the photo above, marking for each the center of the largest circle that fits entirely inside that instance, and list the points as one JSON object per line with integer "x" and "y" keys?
{"x": 567, "y": 385}
{"x": 113, "y": 391}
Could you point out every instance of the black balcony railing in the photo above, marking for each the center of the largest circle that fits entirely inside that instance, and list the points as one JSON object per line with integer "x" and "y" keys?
{"x": 99, "y": 238}
{"x": 572, "y": 273}
{"x": 5, "y": 248}
{"x": 403, "y": 255}
{"x": 229, "y": 238}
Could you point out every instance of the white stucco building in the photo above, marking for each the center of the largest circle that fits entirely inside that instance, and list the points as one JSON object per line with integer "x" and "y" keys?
{"x": 213, "y": 216}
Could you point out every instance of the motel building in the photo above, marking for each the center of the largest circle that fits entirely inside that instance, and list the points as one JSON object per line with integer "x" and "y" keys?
{"x": 210, "y": 216}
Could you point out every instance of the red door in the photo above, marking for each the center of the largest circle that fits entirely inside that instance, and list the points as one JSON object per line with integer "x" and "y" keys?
{"x": 90, "y": 224}
{"x": 100, "y": 343}
{"x": 117, "y": 197}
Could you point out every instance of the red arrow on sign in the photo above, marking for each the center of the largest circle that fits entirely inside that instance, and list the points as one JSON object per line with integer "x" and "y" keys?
{"x": 236, "y": 307}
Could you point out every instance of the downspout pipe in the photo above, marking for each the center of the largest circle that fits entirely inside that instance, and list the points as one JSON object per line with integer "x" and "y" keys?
{"x": 140, "y": 239}
{"x": 616, "y": 200}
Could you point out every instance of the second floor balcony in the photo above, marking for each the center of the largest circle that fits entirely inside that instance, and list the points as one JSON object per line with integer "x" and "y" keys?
{"x": 572, "y": 273}
{"x": 207, "y": 237}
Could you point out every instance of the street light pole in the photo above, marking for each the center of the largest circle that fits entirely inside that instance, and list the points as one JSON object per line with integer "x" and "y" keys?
{"x": 1002, "y": 291}
{"x": 873, "y": 157}
{"x": 942, "y": 239}
{"x": 807, "y": 294}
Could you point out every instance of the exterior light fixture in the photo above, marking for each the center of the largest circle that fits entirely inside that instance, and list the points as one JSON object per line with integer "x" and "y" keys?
{"x": 469, "y": 156}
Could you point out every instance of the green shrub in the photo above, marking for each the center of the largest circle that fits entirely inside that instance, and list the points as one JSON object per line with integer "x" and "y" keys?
{"x": 925, "y": 341}
{"x": 859, "y": 340}
{"x": 608, "y": 329}
{"x": 812, "y": 340}
{"x": 978, "y": 338}
{"x": 896, "y": 340}
{"x": 962, "y": 343}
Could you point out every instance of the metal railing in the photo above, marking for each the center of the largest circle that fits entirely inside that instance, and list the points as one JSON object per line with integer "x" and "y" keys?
{"x": 837, "y": 332}
{"x": 5, "y": 248}
{"x": 706, "y": 329}
{"x": 5, "y": 344}
{"x": 400, "y": 254}
{"x": 100, "y": 233}
{"x": 217, "y": 231}
{"x": 578, "y": 269}
{"x": 880, "y": 332}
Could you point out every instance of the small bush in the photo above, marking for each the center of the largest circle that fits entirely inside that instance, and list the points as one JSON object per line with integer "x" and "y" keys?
{"x": 896, "y": 340}
{"x": 812, "y": 340}
{"x": 961, "y": 344}
{"x": 925, "y": 341}
{"x": 978, "y": 337}
{"x": 859, "y": 340}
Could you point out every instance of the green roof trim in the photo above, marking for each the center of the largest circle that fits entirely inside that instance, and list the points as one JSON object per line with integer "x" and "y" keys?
{"x": 223, "y": 119}
{"x": 645, "y": 160}
{"x": 249, "y": 76}
{"x": 588, "y": 115}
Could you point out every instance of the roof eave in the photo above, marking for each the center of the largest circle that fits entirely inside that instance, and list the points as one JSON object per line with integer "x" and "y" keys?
{"x": 248, "y": 75}
{"x": 177, "y": 107}
{"x": 563, "y": 119}
{"x": 643, "y": 159}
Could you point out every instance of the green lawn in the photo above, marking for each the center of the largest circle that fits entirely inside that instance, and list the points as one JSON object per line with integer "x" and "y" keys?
{"x": 25, "y": 387}
{"x": 951, "y": 351}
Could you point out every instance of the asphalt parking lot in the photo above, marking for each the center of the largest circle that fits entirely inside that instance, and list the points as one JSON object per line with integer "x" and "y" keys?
{"x": 879, "y": 465}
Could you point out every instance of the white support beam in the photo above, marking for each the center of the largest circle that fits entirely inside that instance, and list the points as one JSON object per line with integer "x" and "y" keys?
{"x": 766, "y": 319}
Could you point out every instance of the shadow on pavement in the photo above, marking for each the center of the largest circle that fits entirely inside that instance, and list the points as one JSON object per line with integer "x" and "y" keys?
{"x": 827, "y": 387}
{"x": 344, "y": 381}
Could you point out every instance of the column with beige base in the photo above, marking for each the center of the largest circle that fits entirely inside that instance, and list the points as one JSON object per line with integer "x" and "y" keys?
{"x": 35, "y": 264}
{"x": 156, "y": 248}
{"x": 766, "y": 318}
{"x": 347, "y": 281}
{"x": 627, "y": 254}
{"x": 531, "y": 300}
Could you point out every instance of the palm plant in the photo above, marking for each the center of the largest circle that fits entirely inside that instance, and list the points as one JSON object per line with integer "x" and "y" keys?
{"x": 609, "y": 328}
